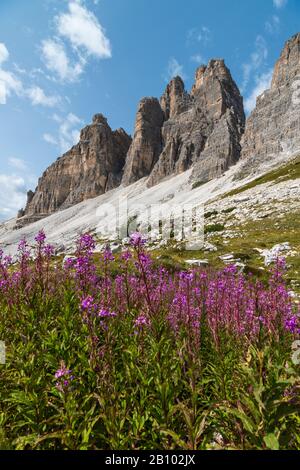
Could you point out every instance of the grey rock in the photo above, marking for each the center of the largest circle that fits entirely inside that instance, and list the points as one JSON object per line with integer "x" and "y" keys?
{"x": 89, "y": 169}
{"x": 273, "y": 126}
{"x": 147, "y": 141}
{"x": 202, "y": 129}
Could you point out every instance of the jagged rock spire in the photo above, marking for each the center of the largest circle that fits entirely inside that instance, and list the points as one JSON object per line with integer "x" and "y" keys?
{"x": 90, "y": 168}
{"x": 273, "y": 128}
{"x": 147, "y": 141}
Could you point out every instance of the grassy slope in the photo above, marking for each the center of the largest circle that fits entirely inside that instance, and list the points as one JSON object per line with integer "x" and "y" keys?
{"x": 263, "y": 234}
{"x": 287, "y": 172}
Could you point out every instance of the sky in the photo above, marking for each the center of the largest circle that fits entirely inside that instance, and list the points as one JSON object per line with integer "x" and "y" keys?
{"x": 62, "y": 61}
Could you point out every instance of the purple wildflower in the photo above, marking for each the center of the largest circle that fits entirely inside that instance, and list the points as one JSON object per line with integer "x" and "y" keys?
{"x": 137, "y": 240}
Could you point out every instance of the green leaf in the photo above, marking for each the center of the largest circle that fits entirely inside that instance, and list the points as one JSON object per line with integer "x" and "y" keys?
{"x": 271, "y": 442}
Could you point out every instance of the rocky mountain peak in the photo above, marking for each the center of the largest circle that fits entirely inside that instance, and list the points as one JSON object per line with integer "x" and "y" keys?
{"x": 201, "y": 130}
{"x": 272, "y": 129}
{"x": 89, "y": 169}
{"x": 287, "y": 67}
{"x": 175, "y": 99}
{"x": 147, "y": 141}
{"x": 100, "y": 119}
{"x": 206, "y": 134}
{"x": 199, "y": 78}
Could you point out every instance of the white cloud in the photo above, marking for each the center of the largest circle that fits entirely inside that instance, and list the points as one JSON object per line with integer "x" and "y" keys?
{"x": 198, "y": 59}
{"x": 68, "y": 132}
{"x": 174, "y": 69}
{"x": 262, "y": 83}
{"x": 17, "y": 163}
{"x": 50, "y": 139}
{"x": 279, "y": 3}
{"x": 56, "y": 60}
{"x": 14, "y": 187}
{"x": 272, "y": 25}
{"x": 9, "y": 83}
{"x": 38, "y": 97}
{"x": 257, "y": 59}
{"x": 81, "y": 27}
{"x": 4, "y": 54}
{"x": 203, "y": 35}
{"x": 86, "y": 36}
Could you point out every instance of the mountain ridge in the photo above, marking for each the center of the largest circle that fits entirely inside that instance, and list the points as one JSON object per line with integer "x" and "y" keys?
{"x": 150, "y": 173}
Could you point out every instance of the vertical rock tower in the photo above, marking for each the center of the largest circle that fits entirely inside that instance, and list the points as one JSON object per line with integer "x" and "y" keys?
{"x": 273, "y": 128}
{"x": 89, "y": 169}
{"x": 201, "y": 129}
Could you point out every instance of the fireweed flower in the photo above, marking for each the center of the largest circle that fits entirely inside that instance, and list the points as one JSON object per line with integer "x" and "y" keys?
{"x": 48, "y": 251}
{"x": 126, "y": 256}
{"x": 293, "y": 324}
{"x": 89, "y": 307}
{"x": 64, "y": 376}
{"x": 86, "y": 243}
{"x": 23, "y": 249}
{"x": 40, "y": 237}
{"x": 107, "y": 255}
{"x": 104, "y": 313}
{"x": 142, "y": 321}
{"x": 69, "y": 263}
{"x": 137, "y": 240}
{"x": 144, "y": 261}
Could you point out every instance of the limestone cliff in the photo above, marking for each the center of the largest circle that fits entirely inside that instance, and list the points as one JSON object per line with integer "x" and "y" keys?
{"x": 273, "y": 126}
{"x": 147, "y": 141}
{"x": 203, "y": 128}
{"x": 89, "y": 169}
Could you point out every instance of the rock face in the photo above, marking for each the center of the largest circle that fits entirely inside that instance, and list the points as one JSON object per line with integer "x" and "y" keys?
{"x": 89, "y": 169}
{"x": 273, "y": 127}
{"x": 147, "y": 142}
{"x": 201, "y": 129}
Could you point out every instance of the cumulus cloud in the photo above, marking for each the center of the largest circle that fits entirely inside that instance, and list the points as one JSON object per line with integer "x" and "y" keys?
{"x": 38, "y": 97}
{"x": 257, "y": 59}
{"x": 272, "y": 25}
{"x": 9, "y": 83}
{"x": 57, "y": 61}
{"x": 81, "y": 27}
{"x": 14, "y": 187}
{"x": 279, "y": 3}
{"x": 262, "y": 83}
{"x": 174, "y": 69}
{"x": 78, "y": 36}
{"x": 17, "y": 163}
{"x": 4, "y": 54}
{"x": 68, "y": 132}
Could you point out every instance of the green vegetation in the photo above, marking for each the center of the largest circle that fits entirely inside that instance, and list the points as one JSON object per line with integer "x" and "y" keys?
{"x": 287, "y": 172}
{"x": 229, "y": 210}
{"x": 208, "y": 215}
{"x": 198, "y": 184}
{"x": 214, "y": 228}
{"x": 142, "y": 358}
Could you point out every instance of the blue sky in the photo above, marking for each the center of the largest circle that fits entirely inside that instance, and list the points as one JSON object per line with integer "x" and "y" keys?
{"x": 61, "y": 61}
